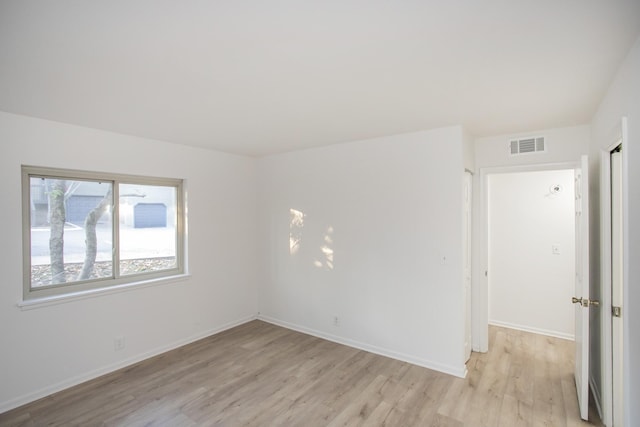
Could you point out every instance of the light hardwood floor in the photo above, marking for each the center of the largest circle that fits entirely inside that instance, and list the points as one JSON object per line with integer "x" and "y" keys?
{"x": 259, "y": 374}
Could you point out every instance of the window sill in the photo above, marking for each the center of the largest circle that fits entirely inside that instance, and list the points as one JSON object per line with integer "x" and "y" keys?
{"x": 75, "y": 296}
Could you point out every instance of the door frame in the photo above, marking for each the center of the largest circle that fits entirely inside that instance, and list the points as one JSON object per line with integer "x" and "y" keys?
{"x": 480, "y": 282}
{"x": 467, "y": 191}
{"x": 618, "y": 137}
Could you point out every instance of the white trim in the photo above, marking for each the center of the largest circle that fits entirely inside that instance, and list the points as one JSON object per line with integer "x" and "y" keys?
{"x": 530, "y": 168}
{"x": 480, "y": 284}
{"x": 626, "y": 327}
{"x": 460, "y": 372}
{"x": 605, "y": 286}
{"x": 467, "y": 244}
{"x": 92, "y": 293}
{"x": 547, "y": 332}
{"x": 78, "y": 379}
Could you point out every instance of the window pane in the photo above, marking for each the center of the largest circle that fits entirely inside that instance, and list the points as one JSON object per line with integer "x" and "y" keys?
{"x": 71, "y": 230}
{"x": 147, "y": 228}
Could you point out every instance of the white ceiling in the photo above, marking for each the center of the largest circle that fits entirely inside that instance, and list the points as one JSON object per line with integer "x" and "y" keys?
{"x": 258, "y": 77}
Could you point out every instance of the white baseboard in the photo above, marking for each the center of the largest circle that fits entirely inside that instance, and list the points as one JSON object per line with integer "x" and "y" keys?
{"x": 447, "y": 369}
{"x": 78, "y": 379}
{"x": 524, "y": 328}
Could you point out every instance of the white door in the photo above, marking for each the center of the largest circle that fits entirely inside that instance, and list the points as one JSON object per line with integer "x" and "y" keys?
{"x": 581, "y": 295}
{"x": 468, "y": 185}
{"x": 616, "y": 285}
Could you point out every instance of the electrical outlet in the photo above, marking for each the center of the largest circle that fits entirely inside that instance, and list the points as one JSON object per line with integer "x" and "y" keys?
{"x": 118, "y": 343}
{"x": 336, "y": 320}
{"x": 555, "y": 249}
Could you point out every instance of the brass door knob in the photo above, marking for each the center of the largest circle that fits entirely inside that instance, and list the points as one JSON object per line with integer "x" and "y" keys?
{"x": 585, "y": 302}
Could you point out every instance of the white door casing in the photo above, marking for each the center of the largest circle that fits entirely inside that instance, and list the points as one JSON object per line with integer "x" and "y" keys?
{"x": 617, "y": 250}
{"x": 468, "y": 183}
{"x": 605, "y": 279}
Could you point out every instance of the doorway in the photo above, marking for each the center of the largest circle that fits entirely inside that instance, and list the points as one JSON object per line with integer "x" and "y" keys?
{"x": 480, "y": 301}
{"x": 531, "y": 251}
{"x": 582, "y": 303}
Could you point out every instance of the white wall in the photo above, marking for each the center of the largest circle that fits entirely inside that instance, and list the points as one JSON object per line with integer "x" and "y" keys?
{"x": 530, "y": 287}
{"x": 621, "y": 99}
{"x": 49, "y": 348}
{"x": 389, "y": 209}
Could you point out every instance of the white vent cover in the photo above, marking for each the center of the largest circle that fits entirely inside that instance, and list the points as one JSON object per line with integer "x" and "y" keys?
{"x": 527, "y": 145}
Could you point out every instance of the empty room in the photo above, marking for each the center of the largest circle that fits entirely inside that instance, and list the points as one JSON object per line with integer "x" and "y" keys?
{"x": 407, "y": 213}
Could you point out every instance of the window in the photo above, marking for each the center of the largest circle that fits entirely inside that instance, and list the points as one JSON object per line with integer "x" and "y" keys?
{"x": 85, "y": 230}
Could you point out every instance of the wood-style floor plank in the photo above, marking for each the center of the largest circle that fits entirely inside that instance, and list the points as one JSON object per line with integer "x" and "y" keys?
{"x": 258, "y": 374}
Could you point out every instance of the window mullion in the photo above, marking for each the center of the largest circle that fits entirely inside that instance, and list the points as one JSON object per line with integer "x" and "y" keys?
{"x": 115, "y": 223}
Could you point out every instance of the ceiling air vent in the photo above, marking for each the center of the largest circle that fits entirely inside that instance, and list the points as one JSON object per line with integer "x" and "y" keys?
{"x": 527, "y": 145}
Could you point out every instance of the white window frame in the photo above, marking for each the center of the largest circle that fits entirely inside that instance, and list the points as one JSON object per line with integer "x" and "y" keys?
{"x": 78, "y": 288}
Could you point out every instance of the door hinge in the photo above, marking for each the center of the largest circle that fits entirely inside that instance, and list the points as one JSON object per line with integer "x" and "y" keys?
{"x": 616, "y": 311}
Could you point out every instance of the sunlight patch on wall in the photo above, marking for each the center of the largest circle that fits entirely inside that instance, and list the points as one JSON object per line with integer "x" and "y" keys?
{"x": 296, "y": 223}
{"x": 327, "y": 250}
